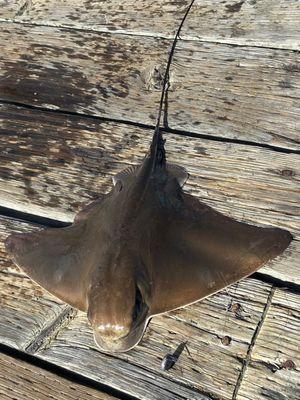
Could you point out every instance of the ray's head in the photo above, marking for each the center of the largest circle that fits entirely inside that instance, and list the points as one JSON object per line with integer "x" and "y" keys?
{"x": 118, "y": 309}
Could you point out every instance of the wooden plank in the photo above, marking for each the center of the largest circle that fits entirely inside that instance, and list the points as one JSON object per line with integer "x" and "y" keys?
{"x": 215, "y": 89}
{"x": 20, "y": 380}
{"x": 218, "y": 339}
{"x": 248, "y": 93}
{"x": 25, "y": 310}
{"x": 274, "y": 370}
{"x": 263, "y": 23}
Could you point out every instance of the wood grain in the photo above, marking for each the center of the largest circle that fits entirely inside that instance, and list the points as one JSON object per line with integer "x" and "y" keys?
{"x": 20, "y": 380}
{"x": 212, "y": 367}
{"x": 274, "y": 371}
{"x": 264, "y": 23}
{"x": 215, "y": 89}
{"x": 250, "y": 94}
{"x": 235, "y": 75}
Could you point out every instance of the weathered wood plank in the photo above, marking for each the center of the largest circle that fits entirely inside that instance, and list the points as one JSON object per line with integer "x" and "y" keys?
{"x": 251, "y": 95}
{"x": 218, "y": 337}
{"x": 263, "y": 23}
{"x": 274, "y": 370}
{"x": 25, "y": 309}
{"x": 233, "y": 92}
{"x": 20, "y": 380}
{"x": 53, "y": 164}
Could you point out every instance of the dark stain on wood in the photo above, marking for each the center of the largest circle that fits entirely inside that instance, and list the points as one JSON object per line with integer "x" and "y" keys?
{"x": 236, "y": 30}
{"x": 54, "y": 143}
{"x": 288, "y": 173}
{"x": 285, "y": 84}
{"x": 292, "y": 67}
{"x": 31, "y": 84}
{"x": 222, "y": 117}
{"x": 238, "y": 310}
{"x": 24, "y": 8}
{"x": 201, "y": 150}
{"x": 226, "y": 340}
{"x": 288, "y": 364}
{"x": 233, "y": 8}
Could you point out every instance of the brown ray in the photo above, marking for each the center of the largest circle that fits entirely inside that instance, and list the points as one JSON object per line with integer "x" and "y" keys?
{"x": 144, "y": 248}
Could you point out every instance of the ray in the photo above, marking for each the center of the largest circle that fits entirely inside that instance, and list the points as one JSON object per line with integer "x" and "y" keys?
{"x": 143, "y": 249}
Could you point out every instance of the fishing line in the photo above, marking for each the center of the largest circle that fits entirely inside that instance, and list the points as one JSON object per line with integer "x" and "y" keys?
{"x": 157, "y": 140}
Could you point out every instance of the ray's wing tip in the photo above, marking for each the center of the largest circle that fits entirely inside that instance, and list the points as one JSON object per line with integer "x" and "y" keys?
{"x": 10, "y": 243}
{"x": 284, "y": 238}
{"x": 16, "y": 243}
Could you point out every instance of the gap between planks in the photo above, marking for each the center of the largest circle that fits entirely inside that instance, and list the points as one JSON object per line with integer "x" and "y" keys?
{"x": 48, "y": 333}
{"x": 247, "y": 360}
{"x": 165, "y": 129}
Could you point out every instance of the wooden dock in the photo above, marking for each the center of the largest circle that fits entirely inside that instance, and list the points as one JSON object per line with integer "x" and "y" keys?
{"x": 79, "y": 92}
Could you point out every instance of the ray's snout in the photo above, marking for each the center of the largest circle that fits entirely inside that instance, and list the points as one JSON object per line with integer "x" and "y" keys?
{"x": 110, "y": 332}
{"x": 118, "y": 338}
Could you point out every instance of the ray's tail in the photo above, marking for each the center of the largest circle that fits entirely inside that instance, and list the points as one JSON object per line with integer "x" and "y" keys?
{"x": 157, "y": 148}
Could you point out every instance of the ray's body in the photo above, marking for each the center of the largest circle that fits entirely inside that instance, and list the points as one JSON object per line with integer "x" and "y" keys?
{"x": 145, "y": 248}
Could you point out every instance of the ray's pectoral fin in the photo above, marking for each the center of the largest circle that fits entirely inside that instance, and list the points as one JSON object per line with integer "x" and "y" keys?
{"x": 204, "y": 251}
{"x": 53, "y": 258}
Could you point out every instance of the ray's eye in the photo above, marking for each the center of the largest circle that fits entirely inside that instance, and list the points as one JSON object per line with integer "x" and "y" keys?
{"x": 138, "y": 306}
